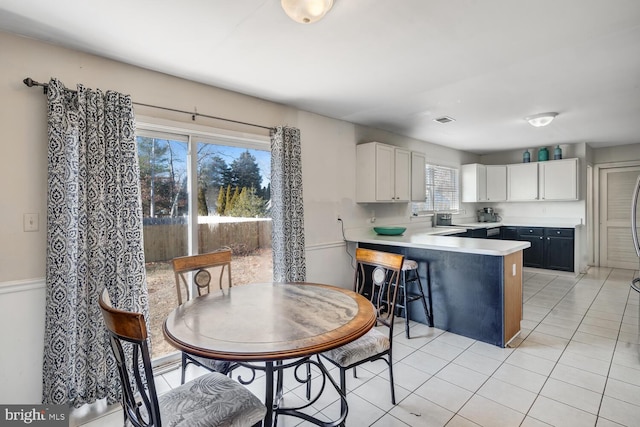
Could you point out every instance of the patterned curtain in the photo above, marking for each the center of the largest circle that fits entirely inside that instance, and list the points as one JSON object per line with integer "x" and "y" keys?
{"x": 286, "y": 206}
{"x": 94, "y": 239}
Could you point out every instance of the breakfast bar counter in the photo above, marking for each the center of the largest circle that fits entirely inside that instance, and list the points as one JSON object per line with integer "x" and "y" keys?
{"x": 436, "y": 238}
{"x": 476, "y": 284}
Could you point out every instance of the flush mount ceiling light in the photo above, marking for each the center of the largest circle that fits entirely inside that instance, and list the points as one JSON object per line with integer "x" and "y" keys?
{"x": 542, "y": 119}
{"x": 306, "y": 11}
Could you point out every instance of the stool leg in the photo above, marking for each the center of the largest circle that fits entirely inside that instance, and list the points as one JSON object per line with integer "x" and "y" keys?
{"x": 427, "y": 311}
{"x": 405, "y": 303}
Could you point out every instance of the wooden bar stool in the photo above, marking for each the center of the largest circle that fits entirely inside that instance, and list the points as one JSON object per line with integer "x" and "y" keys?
{"x": 407, "y": 295}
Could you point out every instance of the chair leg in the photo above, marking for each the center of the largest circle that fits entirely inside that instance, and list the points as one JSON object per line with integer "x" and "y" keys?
{"x": 393, "y": 390}
{"x": 308, "y": 381}
{"x": 343, "y": 389}
{"x": 184, "y": 367}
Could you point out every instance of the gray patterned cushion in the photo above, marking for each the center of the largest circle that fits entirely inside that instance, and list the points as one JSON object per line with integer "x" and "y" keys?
{"x": 373, "y": 342}
{"x": 212, "y": 364}
{"x": 212, "y": 400}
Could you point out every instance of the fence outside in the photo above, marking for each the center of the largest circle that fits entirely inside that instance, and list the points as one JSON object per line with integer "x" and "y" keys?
{"x": 165, "y": 239}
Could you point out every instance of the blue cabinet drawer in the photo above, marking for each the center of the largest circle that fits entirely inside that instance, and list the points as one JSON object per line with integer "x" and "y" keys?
{"x": 530, "y": 231}
{"x": 558, "y": 232}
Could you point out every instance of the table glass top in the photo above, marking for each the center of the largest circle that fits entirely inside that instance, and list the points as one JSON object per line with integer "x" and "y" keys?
{"x": 265, "y": 319}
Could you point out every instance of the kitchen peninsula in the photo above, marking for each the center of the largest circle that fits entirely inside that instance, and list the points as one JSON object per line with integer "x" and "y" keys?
{"x": 476, "y": 284}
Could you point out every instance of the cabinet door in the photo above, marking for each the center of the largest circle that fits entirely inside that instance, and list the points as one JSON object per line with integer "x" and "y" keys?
{"x": 559, "y": 253}
{"x": 509, "y": 233}
{"x": 418, "y": 178}
{"x": 522, "y": 182}
{"x": 474, "y": 183}
{"x": 559, "y": 249}
{"x": 496, "y": 183}
{"x": 559, "y": 180}
{"x": 385, "y": 173}
{"x": 402, "y": 175}
{"x": 533, "y": 256}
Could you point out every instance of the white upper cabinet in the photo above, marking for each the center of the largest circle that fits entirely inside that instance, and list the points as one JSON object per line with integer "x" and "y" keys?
{"x": 383, "y": 173}
{"x": 496, "y": 183}
{"x": 418, "y": 178}
{"x": 522, "y": 182}
{"x": 482, "y": 183}
{"x": 474, "y": 183}
{"x": 549, "y": 180}
{"x": 559, "y": 179}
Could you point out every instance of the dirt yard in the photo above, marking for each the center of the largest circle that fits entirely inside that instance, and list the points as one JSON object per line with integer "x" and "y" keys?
{"x": 255, "y": 267}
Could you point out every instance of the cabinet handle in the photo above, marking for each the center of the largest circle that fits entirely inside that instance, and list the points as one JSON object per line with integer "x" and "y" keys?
{"x": 548, "y": 238}
{"x": 541, "y": 238}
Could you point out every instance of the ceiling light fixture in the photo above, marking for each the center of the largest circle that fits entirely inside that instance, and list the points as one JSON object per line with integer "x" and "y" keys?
{"x": 306, "y": 11}
{"x": 542, "y": 119}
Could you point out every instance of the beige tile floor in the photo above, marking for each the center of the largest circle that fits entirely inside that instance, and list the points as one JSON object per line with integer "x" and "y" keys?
{"x": 575, "y": 363}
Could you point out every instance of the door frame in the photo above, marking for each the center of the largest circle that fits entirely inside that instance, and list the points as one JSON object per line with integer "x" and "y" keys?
{"x": 597, "y": 201}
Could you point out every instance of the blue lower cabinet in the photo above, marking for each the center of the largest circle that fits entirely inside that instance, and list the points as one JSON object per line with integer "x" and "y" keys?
{"x": 551, "y": 248}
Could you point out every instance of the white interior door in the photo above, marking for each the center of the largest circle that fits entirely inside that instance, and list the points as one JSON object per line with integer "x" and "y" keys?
{"x": 616, "y": 244}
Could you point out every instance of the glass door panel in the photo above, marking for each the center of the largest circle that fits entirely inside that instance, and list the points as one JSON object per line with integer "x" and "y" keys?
{"x": 163, "y": 181}
{"x": 233, "y": 187}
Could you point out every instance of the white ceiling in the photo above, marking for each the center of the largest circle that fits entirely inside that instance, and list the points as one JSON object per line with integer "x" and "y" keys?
{"x": 394, "y": 65}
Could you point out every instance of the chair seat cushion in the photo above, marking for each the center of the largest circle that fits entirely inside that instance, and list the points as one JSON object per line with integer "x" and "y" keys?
{"x": 210, "y": 400}
{"x": 214, "y": 365}
{"x": 372, "y": 343}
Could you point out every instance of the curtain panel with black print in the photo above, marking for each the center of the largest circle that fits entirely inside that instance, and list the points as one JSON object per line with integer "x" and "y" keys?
{"x": 287, "y": 209}
{"x": 94, "y": 239}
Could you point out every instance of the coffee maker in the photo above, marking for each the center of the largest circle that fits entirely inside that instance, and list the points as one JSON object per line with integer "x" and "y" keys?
{"x": 488, "y": 215}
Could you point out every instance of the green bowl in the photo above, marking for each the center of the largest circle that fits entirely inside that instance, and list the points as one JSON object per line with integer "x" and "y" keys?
{"x": 389, "y": 231}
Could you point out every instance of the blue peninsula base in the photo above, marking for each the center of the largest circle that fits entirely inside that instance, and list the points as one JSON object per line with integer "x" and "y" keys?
{"x": 476, "y": 296}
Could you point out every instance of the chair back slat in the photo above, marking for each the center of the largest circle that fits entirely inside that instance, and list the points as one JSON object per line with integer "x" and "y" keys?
{"x": 198, "y": 264}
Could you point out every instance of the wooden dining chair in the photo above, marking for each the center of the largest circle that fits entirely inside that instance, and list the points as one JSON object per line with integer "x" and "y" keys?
{"x": 377, "y": 276}
{"x": 213, "y": 400}
{"x": 198, "y": 268}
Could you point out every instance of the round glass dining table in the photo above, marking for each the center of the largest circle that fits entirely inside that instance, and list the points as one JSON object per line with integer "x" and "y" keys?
{"x": 275, "y": 323}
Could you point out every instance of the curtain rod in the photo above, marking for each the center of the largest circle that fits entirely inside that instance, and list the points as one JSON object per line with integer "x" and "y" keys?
{"x": 31, "y": 83}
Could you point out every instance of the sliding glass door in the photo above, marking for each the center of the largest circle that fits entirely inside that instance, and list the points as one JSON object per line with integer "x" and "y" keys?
{"x": 201, "y": 192}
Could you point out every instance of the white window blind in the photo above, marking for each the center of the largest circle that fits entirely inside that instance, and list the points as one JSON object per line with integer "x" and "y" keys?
{"x": 442, "y": 188}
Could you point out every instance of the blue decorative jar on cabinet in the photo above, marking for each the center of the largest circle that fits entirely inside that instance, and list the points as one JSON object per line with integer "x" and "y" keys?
{"x": 526, "y": 156}
{"x": 543, "y": 154}
{"x": 557, "y": 153}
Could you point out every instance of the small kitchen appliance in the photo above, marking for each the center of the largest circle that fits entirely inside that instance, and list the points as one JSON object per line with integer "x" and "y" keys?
{"x": 442, "y": 219}
{"x": 488, "y": 215}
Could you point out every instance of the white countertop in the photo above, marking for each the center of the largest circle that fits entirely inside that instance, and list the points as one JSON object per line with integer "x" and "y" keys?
{"x": 433, "y": 238}
{"x": 517, "y": 222}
